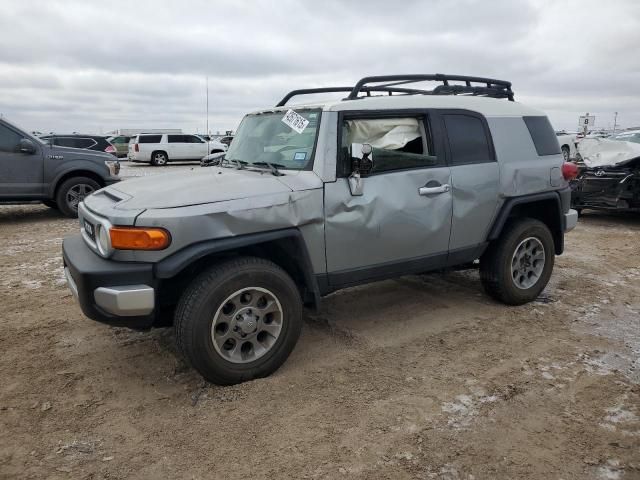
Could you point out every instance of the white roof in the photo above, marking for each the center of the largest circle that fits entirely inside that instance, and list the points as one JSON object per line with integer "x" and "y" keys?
{"x": 489, "y": 107}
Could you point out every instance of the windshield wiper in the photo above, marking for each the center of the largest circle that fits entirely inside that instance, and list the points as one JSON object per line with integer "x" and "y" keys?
{"x": 239, "y": 164}
{"x": 212, "y": 162}
{"x": 272, "y": 166}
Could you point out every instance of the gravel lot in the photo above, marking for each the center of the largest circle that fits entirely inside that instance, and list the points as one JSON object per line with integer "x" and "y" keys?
{"x": 420, "y": 377}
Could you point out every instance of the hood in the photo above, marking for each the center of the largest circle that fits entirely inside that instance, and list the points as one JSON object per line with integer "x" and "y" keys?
{"x": 602, "y": 152}
{"x": 198, "y": 186}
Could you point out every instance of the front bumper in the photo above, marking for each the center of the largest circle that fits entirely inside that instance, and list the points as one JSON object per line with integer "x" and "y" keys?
{"x": 570, "y": 220}
{"x": 117, "y": 293}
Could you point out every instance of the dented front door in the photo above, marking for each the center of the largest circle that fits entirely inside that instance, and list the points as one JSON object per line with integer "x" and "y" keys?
{"x": 400, "y": 223}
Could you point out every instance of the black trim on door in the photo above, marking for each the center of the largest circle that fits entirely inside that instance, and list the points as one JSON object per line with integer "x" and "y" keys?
{"x": 358, "y": 276}
{"x": 333, "y": 281}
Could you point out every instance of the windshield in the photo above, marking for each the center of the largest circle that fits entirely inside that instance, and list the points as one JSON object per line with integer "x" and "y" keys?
{"x": 267, "y": 137}
{"x": 628, "y": 137}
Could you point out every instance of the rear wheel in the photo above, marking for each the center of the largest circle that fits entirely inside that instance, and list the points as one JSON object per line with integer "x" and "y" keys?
{"x": 159, "y": 159}
{"x": 72, "y": 191}
{"x": 239, "y": 320}
{"x": 566, "y": 153}
{"x": 516, "y": 267}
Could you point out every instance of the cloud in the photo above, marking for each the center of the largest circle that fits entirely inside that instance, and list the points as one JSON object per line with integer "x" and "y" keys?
{"x": 77, "y": 65}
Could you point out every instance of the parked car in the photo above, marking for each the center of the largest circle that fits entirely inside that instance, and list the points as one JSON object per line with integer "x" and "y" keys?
{"x": 32, "y": 169}
{"x": 318, "y": 197}
{"x": 159, "y": 149}
{"x": 75, "y": 140}
{"x": 627, "y": 136}
{"x": 121, "y": 144}
{"x": 568, "y": 142}
{"x": 609, "y": 177}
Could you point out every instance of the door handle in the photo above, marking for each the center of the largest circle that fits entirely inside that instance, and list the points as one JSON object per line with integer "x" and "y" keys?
{"x": 434, "y": 190}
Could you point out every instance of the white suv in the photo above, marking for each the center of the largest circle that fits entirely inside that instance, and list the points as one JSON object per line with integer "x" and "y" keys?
{"x": 158, "y": 149}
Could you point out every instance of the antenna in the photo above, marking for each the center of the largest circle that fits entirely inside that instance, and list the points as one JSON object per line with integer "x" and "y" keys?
{"x": 207, "y": 84}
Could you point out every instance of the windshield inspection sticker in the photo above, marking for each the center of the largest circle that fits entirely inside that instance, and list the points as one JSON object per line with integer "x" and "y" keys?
{"x": 300, "y": 156}
{"x": 295, "y": 121}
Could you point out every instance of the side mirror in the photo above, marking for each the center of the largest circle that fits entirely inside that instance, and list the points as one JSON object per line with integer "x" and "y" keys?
{"x": 361, "y": 162}
{"x": 27, "y": 146}
{"x": 361, "y": 166}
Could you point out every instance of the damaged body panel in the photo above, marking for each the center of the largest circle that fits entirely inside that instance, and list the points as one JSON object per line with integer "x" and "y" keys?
{"x": 312, "y": 198}
{"x": 609, "y": 178}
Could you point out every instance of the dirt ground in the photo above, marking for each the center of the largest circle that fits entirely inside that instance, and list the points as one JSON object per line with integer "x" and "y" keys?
{"x": 416, "y": 378}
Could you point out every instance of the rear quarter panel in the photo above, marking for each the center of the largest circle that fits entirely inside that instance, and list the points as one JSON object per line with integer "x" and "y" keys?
{"x": 522, "y": 171}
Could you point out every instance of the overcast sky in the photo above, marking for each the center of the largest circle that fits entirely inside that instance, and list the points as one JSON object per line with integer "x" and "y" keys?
{"x": 95, "y": 66}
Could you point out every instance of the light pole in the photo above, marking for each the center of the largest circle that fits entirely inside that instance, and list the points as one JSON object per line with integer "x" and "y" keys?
{"x": 615, "y": 122}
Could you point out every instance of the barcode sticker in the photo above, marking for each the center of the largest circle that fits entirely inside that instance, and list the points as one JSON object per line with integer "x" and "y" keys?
{"x": 295, "y": 121}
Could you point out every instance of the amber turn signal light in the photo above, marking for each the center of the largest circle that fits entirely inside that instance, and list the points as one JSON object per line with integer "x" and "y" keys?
{"x": 139, "y": 238}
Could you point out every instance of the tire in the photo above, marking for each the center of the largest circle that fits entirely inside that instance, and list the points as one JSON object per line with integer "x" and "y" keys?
{"x": 496, "y": 272}
{"x": 566, "y": 153}
{"x": 159, "y": 159}
{"x": 50, "y": 204}
{"x": 72, "y": 191}
{"x": 200, "y": 320}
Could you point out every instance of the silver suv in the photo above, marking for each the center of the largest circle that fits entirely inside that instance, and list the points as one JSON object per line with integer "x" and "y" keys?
{"x": 313, "y": 198}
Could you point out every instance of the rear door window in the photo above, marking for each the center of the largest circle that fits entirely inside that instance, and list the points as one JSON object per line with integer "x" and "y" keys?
{"x": 468, "y": 142}
{"x": 64, "y": 142}
{"x": 85, "y": 142}
{"x": 176, "y": 138}
{"x": 543, "y": 136}
{"x": 149, "y": 138}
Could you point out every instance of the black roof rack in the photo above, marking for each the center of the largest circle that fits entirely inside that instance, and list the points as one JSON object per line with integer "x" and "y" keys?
{"x": 485, "y": 87}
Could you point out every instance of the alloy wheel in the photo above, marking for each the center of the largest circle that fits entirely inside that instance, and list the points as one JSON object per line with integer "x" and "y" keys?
{"x": 527, "y": 263}
{"x": 247, "y": 325}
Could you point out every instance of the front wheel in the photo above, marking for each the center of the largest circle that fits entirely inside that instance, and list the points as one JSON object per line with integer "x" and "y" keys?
{"x": 239, "y": 320}
{"x": 516, "y": 267}
{"x": 72, "y": 192}
{"x": 566, "y": 153}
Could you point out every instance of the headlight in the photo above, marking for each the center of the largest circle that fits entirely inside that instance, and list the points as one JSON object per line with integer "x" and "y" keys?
{"x": 103, "y": 241}
{"x": 139, "y": 238}
{"x": 113, "y": 166}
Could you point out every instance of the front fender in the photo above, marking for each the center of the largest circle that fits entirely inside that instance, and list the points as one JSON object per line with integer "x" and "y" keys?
{"x": 81, "y": 166}
{"x": 176, "y": 263}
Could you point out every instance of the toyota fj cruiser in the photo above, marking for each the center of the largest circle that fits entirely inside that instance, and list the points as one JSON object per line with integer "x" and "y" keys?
{"x": 32, "y": 169}
{"x": 316, "y": 197}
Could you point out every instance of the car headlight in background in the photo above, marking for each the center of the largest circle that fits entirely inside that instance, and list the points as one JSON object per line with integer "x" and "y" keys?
{"x": 113, "y": 166}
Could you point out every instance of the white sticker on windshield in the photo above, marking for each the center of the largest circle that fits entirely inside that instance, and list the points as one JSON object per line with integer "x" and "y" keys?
{"x": 295, "y": 121}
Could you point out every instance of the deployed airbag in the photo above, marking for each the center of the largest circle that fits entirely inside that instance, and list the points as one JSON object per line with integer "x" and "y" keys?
{"x": 386, "y": 133}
